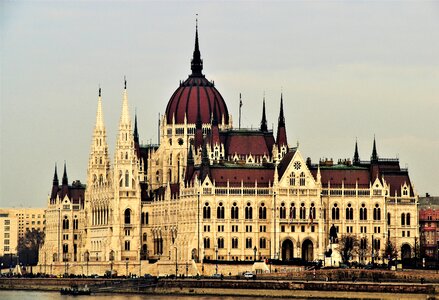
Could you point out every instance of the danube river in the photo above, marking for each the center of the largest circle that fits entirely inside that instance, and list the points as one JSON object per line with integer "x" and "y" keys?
{"x": 37, "y": 295}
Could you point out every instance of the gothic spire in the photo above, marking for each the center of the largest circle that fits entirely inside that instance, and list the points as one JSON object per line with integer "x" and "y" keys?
{"x": 64, "y": 176}
{"x": 264, "y": 118}
{"x": 136, "y": 133}
{"x": 374, "y": 156}
{"x": 125, "y": 116}
{"x": 197, "y": 62}
{"x": 281, "y": 131}
{"x": 356, "y": 159}
{"x": 55, "y": 178}
{"x": 99, "y": 114}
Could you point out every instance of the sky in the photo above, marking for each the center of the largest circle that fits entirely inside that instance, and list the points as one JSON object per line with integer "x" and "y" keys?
{"x": 348, "y": 70}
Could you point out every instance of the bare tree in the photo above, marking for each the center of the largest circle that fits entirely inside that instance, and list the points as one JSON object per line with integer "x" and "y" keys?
{"x": 390, "y": 252}
{"x": 347, "y": 247}
{"x": 29, "y": 245}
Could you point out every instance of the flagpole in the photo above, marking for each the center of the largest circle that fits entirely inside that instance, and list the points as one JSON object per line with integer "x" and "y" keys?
{"x": 240, "y": 105}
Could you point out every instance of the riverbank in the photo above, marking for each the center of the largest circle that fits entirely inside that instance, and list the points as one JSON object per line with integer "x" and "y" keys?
{"x": 261, "y": 288}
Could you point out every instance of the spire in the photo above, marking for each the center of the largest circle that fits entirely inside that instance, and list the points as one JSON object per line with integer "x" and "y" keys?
{"x": 64, "y": 176}
{"x": 281, "y": 113}
{"x": 55, "y": 178}
{"x": 374, "y": 156}
{"x": 356, "y": 159}
{"x": 136, "y": 133}
{"x": 125, "y": 116}
{"x": 99, "y": 114}
{"x": 197, "y": 62}
{"x": 281, "y": 131}
{"x": 264, "y": 118}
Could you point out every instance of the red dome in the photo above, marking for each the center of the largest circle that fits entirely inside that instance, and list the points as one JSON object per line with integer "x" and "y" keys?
{"x": 196, "y": 95}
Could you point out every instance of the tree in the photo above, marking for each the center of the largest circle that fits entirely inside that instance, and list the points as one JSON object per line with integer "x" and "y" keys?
{"x": 390, "y": 252}
{"x": 29, "y": 245}
{"x": 347, "y": 247}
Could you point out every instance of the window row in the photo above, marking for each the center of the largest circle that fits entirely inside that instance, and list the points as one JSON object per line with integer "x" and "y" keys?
{"x": 235, "y": 243}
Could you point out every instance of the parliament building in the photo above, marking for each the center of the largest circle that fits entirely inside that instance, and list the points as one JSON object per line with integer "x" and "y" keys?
{"x": 211, "y": 192}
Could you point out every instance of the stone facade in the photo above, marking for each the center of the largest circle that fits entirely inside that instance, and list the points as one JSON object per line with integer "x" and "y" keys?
{"x": 211, "y": 192}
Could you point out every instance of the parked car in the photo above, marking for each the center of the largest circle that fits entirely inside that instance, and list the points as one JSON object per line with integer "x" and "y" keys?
{"x": 217, "y": 276}
{"x": 249, "y": 275}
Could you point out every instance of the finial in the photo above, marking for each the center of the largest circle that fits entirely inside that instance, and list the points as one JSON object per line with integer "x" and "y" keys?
{"x": 196, "y": 22}
{"x": 99, "y": 90}
{"x": 264, "y": 118}
{"x": 197, "y": 62}
{"x": 125, "y": 81}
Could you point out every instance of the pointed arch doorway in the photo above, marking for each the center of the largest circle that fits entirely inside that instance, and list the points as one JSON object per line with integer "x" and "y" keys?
{"x": 307, "y": 250}
{"x": 287, "y": 250}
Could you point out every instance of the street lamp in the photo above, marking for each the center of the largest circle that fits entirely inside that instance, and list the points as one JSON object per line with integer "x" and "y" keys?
{"x": 216, "y": 261}
{"x": 254, "y": 250}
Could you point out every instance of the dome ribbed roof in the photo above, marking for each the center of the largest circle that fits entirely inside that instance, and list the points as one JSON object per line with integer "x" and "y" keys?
{"x": 196, "y": 97}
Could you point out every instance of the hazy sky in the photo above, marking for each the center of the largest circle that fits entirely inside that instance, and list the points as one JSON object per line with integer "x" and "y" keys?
{"x": 348, "y": 69}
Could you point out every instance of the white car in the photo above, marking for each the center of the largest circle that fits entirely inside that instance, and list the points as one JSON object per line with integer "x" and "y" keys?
{"x": 249, "y": 275}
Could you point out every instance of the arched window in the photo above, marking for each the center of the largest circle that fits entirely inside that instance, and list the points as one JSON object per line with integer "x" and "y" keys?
{"x": 302, "y": 179}
{"x": 377, "y": 212}
{"x": 220, "y": 211}
{"x": 335, "y": 212}
{"x": 407, "y": 219}
{"x": 312, "y": 212}
{"x": 363, "y": 212}
{"x": 262, "y": 243}
{"x": 206, "y": 211}
{"x": 157, "y": 176}
{"x": 262, "y": 212}
{"x": 292, "y": 179}
{"x": 144, "y": 237}
{"x": 248, "y": 212}
{"x": 220, "y": 243}
{"x": 206, "y": 241}
{"x": 302, "y": 211}
{"x": 248, "y": 243}
{"x": 127, "y": 245}
{"x": 127, "y": 179}
{"x": 234, "y": 243}
{"x": 283, "y": 211}
{"x": 120, "y": 179}
{"x": 349, "y": 212}
{"x": 292, "y": 211}
{"x": 234, "y": 212}
{"x": 127, "y": 215}
{"x": 65, "y": 223}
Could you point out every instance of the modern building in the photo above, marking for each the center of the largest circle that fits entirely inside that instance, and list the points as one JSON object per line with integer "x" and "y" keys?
{"x": 14, "y": 222}
{"x": 429, "y": 226}
{"x": 209, "y": 191}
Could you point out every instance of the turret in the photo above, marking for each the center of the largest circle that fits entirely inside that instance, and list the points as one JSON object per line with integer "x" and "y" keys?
{"x": 356, "y": 159}
{"x": 264, "y": 118}
{"x": 374, "y": 156}
{"x": 281, "y": 130}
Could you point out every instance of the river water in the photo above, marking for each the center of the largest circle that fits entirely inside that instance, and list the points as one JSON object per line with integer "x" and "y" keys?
{"x": 297, "y": 295}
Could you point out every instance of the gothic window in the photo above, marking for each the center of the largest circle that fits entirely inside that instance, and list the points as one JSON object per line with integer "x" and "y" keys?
{"x": 335, "y": 212}
{"x": 403, "y": 219}
{"x": 234, "y": 212}
{"x": 363, "y": 212}
{"x": 220, "y": 211}
{"x": 206, "y": 241}
{"x": 127, "y": 179}
{"x": 292, "y": 179}
{"x": 262, "y": 243}
{"x": 206, "y": 211}
{"x": 388, "y": 219}
{"x": 302, "y": 179}
{"x": 376, "y": 245}
{"x": 292, "y": 211}
{"x": 127, "y": 215}
{"x": 302, "y": 211}
{"x": 377, "y": 212}
{"x": 262, "y": 212}
{"x": 220, "y": 243}
{"x": 248, "y": 243}
{"x": 312, "y": 212}
{"x": 127, "y": 245}
{"x": 407, "y": 222}
{"x": 75, "y": 224}
{"x": 126, "y": 155}
{"x": 120, "y": 179}
{"x": 157, "y": 176}
{"x": 283, "y": 211}
{"x": 405, "y": 192}
{"x": 65, "y": 223}
{"x": 234, "y": 243}
{"x": 144, "y": 237}
{"x": 248, "y": 212}
{"x": 349, "y": 212}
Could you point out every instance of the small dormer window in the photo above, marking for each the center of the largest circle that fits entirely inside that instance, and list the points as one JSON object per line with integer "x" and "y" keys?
{"x": 404, "y": 191}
